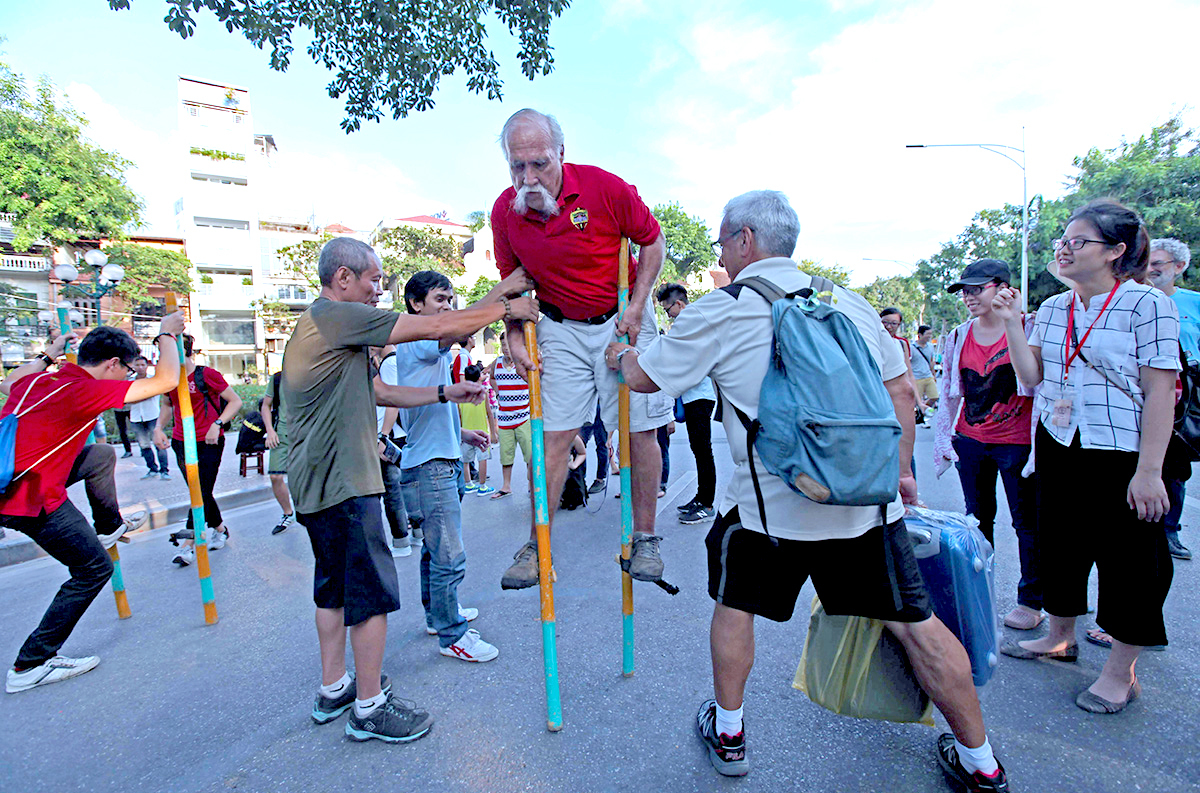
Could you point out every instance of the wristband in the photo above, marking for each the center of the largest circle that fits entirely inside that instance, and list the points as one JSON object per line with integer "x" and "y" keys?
{"x": 622, "y": 354}
{"x": 43, "y": 356}
{"x": 442, "y": 393}
{"x": 507, "y": 308}
{"x": 170, "y": 336}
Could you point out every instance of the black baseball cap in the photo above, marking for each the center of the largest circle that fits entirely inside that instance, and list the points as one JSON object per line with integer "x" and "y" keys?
{"x": 984, "y": 271}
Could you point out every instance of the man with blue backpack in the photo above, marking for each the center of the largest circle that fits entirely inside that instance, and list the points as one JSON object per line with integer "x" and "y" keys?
{"x": 820, "y": 426}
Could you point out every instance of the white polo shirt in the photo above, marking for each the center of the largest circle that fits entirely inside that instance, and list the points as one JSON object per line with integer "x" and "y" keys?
{"x": 727, "y": 335}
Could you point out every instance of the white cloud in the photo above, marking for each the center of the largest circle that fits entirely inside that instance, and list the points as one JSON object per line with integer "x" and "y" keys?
{"x": 944, "y": 72}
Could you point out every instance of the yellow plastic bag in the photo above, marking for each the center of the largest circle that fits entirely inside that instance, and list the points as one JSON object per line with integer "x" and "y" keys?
{"x": 852, "y": 666}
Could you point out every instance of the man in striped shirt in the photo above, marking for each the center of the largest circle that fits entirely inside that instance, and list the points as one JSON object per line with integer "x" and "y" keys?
{"x": 512, "y": 396}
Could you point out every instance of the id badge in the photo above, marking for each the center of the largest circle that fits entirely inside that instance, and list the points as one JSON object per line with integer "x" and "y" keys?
{"x": 1062, "y": 409}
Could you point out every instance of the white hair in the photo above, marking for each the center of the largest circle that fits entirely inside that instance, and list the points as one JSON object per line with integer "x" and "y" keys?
{"x": 1178, "y": 250}
{"x": 775, "y": 224}
{"x": 548, "y": 122}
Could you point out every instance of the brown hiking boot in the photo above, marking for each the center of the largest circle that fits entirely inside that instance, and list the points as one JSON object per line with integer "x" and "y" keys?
{"x": 524, "y": 571}
{"x": 645, "y": 564}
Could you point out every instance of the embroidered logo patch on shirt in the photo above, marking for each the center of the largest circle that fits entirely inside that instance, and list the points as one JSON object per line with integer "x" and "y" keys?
{"x": 580, "y": 219}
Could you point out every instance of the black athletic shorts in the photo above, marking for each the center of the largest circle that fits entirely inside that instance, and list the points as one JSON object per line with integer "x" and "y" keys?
{"x": 873, "y": 575}
{"x": 354, "y": 566}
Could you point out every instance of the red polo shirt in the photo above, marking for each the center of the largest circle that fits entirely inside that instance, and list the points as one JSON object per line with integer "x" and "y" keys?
{"x": 573, "y": 255}
{"x": 78, "y": 403}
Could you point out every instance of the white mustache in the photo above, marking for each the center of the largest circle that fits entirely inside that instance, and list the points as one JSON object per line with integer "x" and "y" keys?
{"x": 521, "y": 201}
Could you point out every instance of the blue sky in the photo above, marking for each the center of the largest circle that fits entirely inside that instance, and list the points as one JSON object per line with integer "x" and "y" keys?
{"x": 691, "y": 101}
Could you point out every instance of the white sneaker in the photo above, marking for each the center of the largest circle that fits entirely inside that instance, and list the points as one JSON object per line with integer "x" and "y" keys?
{"x": 136, "y": 520}
{"x": 466, "y": 614}
{"x": 471, "y": 647}
{"x": 400, "y": 551}
{"x": 185, "y": 557}
{"x": 109, "y": 540}
{"x": 55, "y": 670}
{"x": 217, "y": 537}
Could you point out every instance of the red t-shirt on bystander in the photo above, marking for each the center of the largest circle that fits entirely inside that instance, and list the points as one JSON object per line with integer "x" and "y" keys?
{"x": 204, "y": 411}
{"x": 993, "y": 411}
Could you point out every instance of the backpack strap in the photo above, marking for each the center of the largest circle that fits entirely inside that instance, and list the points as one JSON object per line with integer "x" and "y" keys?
{"x": 44, "y": 457}
{"x": 752, "y": 426}
{"x": 205, "y": 392}
{"x": 19, "y": 413}
{"x": 769, "y": 291}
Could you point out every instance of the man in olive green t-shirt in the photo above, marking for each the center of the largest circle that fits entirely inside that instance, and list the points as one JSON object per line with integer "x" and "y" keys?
{"x": 330, "y": 398}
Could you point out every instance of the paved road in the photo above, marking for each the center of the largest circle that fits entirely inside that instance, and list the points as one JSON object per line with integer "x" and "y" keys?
{"x": 178, "y": 706}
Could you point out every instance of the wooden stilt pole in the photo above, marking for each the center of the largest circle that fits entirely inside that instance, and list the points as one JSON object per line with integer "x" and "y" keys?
{"x": 626, "y": 476}
{"x": 118, "y": 580}
{"x": 192, "y": 470}
{"x": 541, "y": 516}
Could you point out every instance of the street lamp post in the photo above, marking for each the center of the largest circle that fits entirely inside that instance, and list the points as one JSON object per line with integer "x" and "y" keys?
{"x": 105, "y": 277}
{"x": 994, "y": 148}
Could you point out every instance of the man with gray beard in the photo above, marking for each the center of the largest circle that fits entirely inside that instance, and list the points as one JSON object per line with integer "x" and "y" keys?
{"x": 564, "y": 223}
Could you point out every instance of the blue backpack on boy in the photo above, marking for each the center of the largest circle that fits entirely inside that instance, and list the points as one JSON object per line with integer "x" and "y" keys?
{"x": 826, "y": 425}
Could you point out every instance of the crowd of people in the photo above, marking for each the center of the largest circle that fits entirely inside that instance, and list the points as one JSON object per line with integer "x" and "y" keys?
{"x": 1083, "y": 388}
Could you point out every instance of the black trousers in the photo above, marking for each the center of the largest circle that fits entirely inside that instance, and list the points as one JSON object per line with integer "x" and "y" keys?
{"x": 94, "y": 466}
{"x": 66, "y": 536}
{"x": 698, "y": 417}
{"x": 208, "y": 460}
{"x": 122, "y": 419}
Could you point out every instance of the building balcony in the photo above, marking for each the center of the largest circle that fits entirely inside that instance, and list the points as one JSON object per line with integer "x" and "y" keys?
{"x": 24, "y": 263}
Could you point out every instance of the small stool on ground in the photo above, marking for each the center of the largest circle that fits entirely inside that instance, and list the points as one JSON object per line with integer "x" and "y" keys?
{"x": 258, "y": 462}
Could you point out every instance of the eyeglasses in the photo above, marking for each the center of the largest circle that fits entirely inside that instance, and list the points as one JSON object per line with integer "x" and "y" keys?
{"x": 892, "y": 323}
{"x": 974, "y": 291}
{"x": 1075, "y": 243}
{"x": 1164, "y": 263}
{"x": 720, "y": 241}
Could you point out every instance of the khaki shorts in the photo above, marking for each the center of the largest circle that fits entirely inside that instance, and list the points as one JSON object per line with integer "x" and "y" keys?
{"x": 575, "y": 375}
{"x": 509, "y": 438}
{"x": 927, "y": 388}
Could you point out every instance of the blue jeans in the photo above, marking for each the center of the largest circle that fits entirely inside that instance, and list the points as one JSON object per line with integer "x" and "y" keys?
{"x": 596, "y": 430}
{"x": 1176, "y": 490}
{"x": 978, "y": 464}
{"x": 443, "y": 559}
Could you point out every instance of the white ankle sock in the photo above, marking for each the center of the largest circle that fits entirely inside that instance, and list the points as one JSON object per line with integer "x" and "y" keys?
{"x": 729, "y": 722}
{"x": 336, "y": 687}
{"x": 978, "y": 759}
{"x": 364, "y": 706}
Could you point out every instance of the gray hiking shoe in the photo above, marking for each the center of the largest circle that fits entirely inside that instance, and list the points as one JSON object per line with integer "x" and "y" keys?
{"x": 326, "y": 709}
{"x": 524, "y": 570}
{"x": 645, "y": 563}
{"x": 395, "y": 721}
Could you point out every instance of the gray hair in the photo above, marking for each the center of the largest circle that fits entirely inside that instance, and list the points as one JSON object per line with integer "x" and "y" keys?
{"x": 548, "y": 122}
{"x": 355, "y": 255}
{"x": 1179, "y": 250}
{"x": 776, "y": 226}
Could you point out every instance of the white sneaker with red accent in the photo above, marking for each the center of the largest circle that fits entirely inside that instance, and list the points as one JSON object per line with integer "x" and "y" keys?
{"x": 470, "y": 647}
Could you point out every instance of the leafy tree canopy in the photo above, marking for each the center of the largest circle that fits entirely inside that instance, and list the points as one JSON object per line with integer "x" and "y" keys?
{"x": 477, "y": 292}
{"x": 476, "y": 220}
{"x": 147, "y": 266}
{"x": 61, "y": 187}
{"x": 301, "y": 260}
{"x": 409, "y": 249}
{"x": 834, "y": 272}
{"x": 387, "y": 55}
{"x": 902, "y": 291}
{"x": 689, "y": 247}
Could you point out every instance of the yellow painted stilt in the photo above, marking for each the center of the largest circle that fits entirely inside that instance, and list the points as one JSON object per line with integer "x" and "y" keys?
{"x": 192, "y": 470}
{"x": 626, "y": 476}
{"x": 541, "y": 515}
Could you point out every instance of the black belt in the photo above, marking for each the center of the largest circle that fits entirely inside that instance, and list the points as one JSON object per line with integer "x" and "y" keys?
{"x": 555, "y": 313}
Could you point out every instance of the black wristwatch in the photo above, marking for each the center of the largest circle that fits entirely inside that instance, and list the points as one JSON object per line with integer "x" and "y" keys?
{"x": 442, "y": 393}
{"x": 225, "y": 425}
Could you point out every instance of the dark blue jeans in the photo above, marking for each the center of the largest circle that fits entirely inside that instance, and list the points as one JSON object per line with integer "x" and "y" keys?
{"x": 596, "y": 430}
{"x": 1176, "y": 490}
{"x": 978, "y": 464}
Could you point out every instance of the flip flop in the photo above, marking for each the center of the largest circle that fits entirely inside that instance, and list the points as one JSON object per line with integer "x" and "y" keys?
{"x": 1102, "y": 639}
{"x": 501, "y": 494}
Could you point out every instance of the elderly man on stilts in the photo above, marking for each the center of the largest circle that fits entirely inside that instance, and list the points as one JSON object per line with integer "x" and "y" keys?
{"x": 564, "y": 224}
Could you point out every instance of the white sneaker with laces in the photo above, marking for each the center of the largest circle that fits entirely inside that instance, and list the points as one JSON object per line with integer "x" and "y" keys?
{"x": 466, "y": 614}
{"x": 55, "y": 670}
{"x": 185, "y": 557}
{"x": 217, "y": 537}
{"x": 471, "y": 647}
{"x": 109, "y": 540}
{"x": 400, "y": 551}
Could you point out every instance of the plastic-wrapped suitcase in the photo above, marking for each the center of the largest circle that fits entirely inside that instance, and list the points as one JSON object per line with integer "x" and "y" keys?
{"x": 957, "y": 563}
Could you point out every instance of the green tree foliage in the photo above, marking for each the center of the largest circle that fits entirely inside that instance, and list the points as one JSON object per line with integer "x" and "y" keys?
{"x": 409, "y": 249}
{"x": 386, "y": 55}
{"x": 301, "y": 259}
{"x": 902, "y": 291}
{"x": 1158, "y": 175}
{"x": 834, "y": 272}
{"x": 61, "y": 187}
{"x": 477, "y": 292}
{"x": 147, "y": 266}
{"x": 476, "y": 220}
{"x": 276, "y": 315}
{"x": 689, "y": 247}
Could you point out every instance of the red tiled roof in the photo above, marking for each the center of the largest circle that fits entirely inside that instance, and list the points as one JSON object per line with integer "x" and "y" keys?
{"x": 338, "y": 228}
{"x": 428, "y": 219}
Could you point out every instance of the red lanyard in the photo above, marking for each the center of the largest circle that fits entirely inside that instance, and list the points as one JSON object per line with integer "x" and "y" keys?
{"x": 1069, "y": 356}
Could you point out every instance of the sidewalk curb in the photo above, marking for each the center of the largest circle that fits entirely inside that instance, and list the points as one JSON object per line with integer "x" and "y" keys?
{"x": 15, "y": 547}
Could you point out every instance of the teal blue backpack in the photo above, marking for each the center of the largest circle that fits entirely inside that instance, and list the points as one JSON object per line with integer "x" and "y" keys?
{"x": 826, "y": 425}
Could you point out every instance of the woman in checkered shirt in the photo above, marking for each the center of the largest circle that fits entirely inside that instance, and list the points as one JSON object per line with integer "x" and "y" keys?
{"x": 1105, "y": 355}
